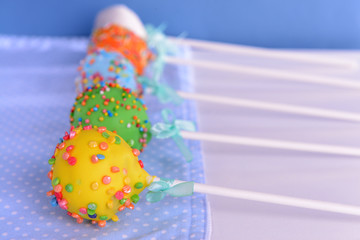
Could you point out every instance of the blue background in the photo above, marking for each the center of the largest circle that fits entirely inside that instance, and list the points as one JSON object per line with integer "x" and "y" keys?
{"x": 267, "y": 23}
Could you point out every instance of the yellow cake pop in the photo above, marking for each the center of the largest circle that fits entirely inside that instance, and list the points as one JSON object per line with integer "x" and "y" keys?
{"x": 95, "y": 174}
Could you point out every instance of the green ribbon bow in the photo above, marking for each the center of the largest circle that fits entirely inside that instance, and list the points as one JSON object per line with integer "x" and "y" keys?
{"x": 159, "y": 189}
{"x": 163, "y": 92}
{"x": 171, "y": 127}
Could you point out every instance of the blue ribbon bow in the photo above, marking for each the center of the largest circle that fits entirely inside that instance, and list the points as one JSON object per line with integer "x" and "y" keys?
{"x": 157, "y": 42}
{"x": 163, "y": 92}
{"x": 159, "y": 189}
{"x": 171, "y": 127}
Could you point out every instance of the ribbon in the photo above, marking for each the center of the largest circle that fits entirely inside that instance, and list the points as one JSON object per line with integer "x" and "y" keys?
{"x": 163, "y": 92}
{"x": 158, "y": 42}
{"x": 159, "y": 189}
{"x": 171, "y": 127}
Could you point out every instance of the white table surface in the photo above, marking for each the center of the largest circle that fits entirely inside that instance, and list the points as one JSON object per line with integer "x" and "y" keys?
{"x": 298, "y": 174}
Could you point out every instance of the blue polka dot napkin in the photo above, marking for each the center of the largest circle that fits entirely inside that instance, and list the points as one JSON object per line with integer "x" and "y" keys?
{"x": 38, "y": 90}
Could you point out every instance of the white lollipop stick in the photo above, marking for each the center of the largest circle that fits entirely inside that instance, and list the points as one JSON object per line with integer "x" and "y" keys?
{"x": 267, "y": 143}
{"x": 263, "y": 52}
{"x": 274, "y": 199}
{"x": 267, "y": 72}
{"x": 277, "y": 107}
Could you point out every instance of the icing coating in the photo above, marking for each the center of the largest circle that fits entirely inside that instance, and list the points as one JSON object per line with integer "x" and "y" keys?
{"x": 102, "y": 66}
{"x": 95, "y": 190}
{"x": 115, "y": 38}
{"x": 117, "y": 109}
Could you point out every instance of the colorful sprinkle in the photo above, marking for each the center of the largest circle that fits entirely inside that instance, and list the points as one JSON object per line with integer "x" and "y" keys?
{"x": 51, "y": 161}
{"x": 111, "y": 139}
{"x": 103, "y": 146}
{"x": 57, "y": 188}
{"x": 72, "y": 161}
{"x": 110, "y": 204}
{"x": 126, "y": 189}
{"x": 93, "y": 144}
{"x": 94, "y": 186}
{"x": 102, "y": 223}
{"x": 105, "y": 135}
{"x": 92, "y": 215}
{"x": 135, "y": 198}
{"x": 66, "y": 156}
{"x": 127, "y": 180}
{"x": 106, "y": 180}
{"x": 141, "y": 164}
{"x": 119, "y": 195}
{"x": 70, "y": 148}
{"x": 89, "y": 211}
{"x": 72, "y": 134}
{"x": 56, "y": 181}
{"x": 53, "y": 202}
{"x": 69, "y": 188}
{"x": 92, "y": 206}
{"x": 101, "y": 129}
{"x": 61, "y": 145}
{"x": 139, "y": 185}
{"x": 136, "y": 152}
{"x": 115, "y": 218}
{"x": 82, "y": 210}
{"x": 117, "y": 140}
{"x": 131, "y": 142}
{"x": 111, "y": 191}
{"x": 100, "y": 156}
{"x": 114, "y": 169}
{"x": 94, "y": 159}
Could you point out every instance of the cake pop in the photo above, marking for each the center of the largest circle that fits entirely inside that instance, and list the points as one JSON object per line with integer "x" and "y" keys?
{"x": 95, "y": 174}
{"x": 117, "y": 109}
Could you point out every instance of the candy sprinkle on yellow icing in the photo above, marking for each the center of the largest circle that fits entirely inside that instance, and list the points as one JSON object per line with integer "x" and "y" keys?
{"x": 97, "y": 177}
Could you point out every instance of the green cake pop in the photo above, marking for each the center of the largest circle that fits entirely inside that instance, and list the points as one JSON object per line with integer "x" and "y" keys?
{"x": 115, "y": 108}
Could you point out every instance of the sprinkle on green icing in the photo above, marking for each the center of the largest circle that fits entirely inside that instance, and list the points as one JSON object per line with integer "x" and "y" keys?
{"x": 131, "y": 142}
